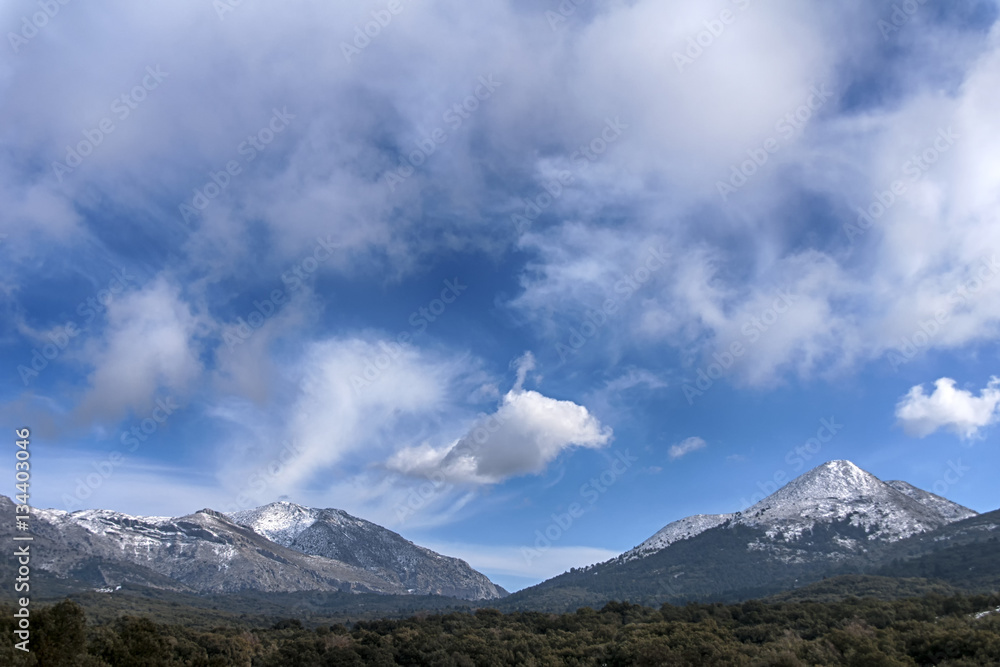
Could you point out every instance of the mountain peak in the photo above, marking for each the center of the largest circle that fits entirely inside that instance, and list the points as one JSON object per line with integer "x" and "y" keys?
{"x": 839, "y": 480}
{"x": 841, "y": 465}
{"x": 841, "y": 491}
{"x": 842, "y": 468}
{"x": 279, "y": 521}
{"x": 834, "y": 496}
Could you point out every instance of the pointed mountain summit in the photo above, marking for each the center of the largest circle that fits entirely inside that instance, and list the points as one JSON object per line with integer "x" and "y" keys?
{"x": 829, "y": 490}
{"x": 835, "y": 491}
{"x": 335, "y": 534}
{"x": 841, "y": 491}
{"x": 833, "y": 519}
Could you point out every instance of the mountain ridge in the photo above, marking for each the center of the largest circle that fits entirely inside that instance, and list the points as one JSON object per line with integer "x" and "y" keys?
{"x": 333, "y": 533}
{"x": 208, "y": 552}
{"x": 833, "y": 519}
{"x": 799, "y": 503}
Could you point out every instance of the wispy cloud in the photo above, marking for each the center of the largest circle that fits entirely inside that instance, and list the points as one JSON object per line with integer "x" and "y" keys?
{"x": 686, "y": 446}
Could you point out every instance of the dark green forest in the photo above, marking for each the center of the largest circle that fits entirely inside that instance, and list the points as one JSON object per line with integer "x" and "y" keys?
{"x": 934, "y": 629}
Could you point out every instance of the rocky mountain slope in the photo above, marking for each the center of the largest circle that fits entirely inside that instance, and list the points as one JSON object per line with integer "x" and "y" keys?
{"x": 833, "y": 519}
{"x": 207, "y": 552}
{"x": 834, "y": 491}
{"x": 337, "y": 535}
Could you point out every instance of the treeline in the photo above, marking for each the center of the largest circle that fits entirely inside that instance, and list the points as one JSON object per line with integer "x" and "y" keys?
{"x": 932, "y": 630}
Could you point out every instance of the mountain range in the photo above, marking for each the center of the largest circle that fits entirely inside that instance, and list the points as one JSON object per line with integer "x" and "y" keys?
{"x": 835, "y": 519}
{"x": 279, "y": 547}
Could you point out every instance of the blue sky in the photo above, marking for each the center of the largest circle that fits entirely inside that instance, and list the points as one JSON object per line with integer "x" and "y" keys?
{"x": 521, "y": 281}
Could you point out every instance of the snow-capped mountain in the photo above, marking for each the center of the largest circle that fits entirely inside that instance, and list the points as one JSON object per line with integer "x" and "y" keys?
{"x": 836, "y": 491}
{"x": 833, "y": 519}
{"x": 207, "y": 552}
{"x": 335, "y": 534}
{"x": 841, "y": 491}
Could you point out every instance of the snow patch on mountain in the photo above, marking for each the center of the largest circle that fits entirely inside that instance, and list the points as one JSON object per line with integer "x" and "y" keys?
{"x": 836, "y": 491}
{"x": 677, "y": 530}
{"x": 943, "y": 506}
{"x": 279, "y": 522}
{"x": 840, "y": 491}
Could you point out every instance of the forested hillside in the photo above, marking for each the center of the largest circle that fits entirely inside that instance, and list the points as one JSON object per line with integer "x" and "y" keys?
{"x": 931, "y": 630}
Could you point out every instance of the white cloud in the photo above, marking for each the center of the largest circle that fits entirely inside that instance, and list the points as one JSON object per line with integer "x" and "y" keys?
{"x": 360, "y": 400}
{"x": 356, "y": 120}
{"x": 686, "y": 446}
{"x": 526, "y": 433}
{"x": 524, "y": 364}
{"x": 349, "y": 398}
{"x": 855, "y": 300}
{"x": 149, "y": 346}
{"x": 957, "y": 410}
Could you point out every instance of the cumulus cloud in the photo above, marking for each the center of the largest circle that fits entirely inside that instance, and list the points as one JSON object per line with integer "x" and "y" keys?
{"x": 148, "y": 346}
{"x": 956, "y": 410}
{"x": 357, "y": 118}
{"x": 686, "y": 446}
{"x": 525, "y": 434}
{"x": 860, "y": 295}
